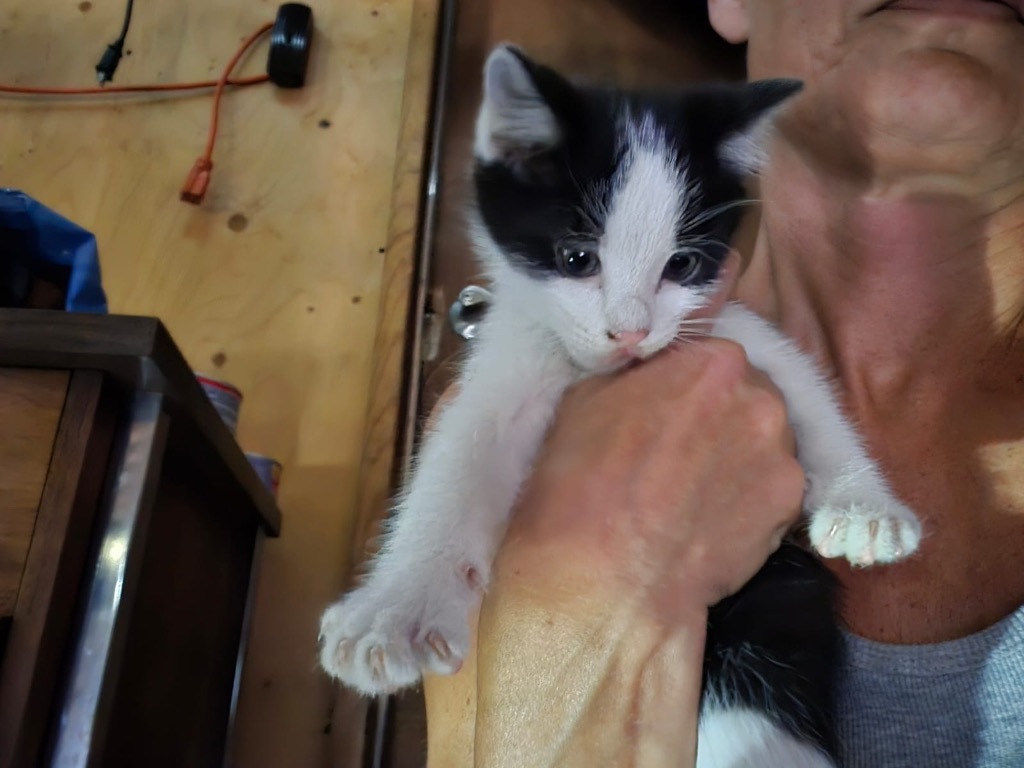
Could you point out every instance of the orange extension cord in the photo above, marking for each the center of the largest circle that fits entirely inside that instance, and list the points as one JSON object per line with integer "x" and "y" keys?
{"x": 198, "y": 179}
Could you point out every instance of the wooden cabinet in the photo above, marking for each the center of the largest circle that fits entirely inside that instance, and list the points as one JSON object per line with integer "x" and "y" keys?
{"x": 130, "y": 523}
{"x": 30, "y": 409}
{"x": 56, "y": 431}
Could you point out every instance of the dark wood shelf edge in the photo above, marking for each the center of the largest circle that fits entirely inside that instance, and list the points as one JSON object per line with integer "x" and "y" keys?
{"x": 138, "y": 353}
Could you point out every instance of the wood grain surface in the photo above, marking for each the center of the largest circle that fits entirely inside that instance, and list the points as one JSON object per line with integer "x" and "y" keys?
{"x": 275, "y": 283}
{"x": 43, "y": 615}
{"x": 30, "y": 406}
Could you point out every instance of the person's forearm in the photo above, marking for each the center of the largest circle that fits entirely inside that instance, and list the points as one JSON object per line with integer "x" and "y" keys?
{"x": 626, "y": 693}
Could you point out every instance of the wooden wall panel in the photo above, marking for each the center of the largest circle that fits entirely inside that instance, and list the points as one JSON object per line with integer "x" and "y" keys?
{"x": 274, "y": 283}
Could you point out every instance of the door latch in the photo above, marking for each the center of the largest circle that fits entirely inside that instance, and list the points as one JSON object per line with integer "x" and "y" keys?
{"x": 468, "y": 310}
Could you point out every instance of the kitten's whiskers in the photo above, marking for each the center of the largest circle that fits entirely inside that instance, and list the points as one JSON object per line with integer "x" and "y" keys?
{"x": 710, "y": 213}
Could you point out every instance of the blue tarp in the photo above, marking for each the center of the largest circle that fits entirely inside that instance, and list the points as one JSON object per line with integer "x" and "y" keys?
{"x": 31, "y": 231}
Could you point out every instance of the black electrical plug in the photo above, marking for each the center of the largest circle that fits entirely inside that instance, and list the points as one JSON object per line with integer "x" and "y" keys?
{"x": 112, "y": 56}
{"x": 109, "y": 61}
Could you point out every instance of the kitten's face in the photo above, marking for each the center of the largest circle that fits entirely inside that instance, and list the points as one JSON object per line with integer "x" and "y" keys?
{"x": 612, "y": 212}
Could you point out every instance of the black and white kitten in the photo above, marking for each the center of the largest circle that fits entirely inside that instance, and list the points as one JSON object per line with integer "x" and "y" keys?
{"x": 602, "y": 218}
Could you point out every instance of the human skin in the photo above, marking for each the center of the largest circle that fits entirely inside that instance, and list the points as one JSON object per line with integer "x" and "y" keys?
{"x": 889, "y": 244}
{"x": 892, "y": 249}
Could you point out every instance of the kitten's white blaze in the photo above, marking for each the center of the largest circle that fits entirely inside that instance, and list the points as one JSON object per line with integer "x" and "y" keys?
{"x": 640, "y": 232}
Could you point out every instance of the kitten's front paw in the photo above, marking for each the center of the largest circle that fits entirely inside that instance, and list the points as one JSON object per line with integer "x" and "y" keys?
{"x": 865, "y": 533}
{"x": 380, "y": 639}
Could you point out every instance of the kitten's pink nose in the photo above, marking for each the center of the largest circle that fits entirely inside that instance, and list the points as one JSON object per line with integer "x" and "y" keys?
{"x": 629, "y": 338}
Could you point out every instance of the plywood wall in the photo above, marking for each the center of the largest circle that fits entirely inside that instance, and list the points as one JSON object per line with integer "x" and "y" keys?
{"x": 274, "y": 283}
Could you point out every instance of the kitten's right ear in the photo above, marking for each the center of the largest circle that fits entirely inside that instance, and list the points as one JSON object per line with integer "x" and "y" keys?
{"x": 753, "y": 110}
{"x": 517, "y": 120}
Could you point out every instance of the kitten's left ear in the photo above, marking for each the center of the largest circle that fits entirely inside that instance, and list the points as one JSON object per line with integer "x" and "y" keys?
{"x": 519, "y": 115}
{"x": 756, "y": 105}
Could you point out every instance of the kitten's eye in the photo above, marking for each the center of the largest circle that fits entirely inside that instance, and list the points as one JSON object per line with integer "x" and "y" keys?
{"x": 576, "y": 262}
{"x": 682, "y": 267}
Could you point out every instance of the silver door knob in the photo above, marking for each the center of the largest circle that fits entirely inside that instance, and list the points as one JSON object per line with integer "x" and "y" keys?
{"x": 468, "y": 310}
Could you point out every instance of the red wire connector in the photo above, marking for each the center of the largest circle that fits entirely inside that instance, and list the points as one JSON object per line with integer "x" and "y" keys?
{"x": 198, "y": 180}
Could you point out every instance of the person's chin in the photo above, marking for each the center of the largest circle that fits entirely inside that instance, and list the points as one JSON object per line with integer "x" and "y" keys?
{"x": 1006, "y": 12}
{"x": 932, "y": 111}
{"x": 948, "y": 77}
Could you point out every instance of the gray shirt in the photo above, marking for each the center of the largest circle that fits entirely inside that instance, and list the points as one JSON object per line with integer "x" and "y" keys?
{"x": 949, "y": 705}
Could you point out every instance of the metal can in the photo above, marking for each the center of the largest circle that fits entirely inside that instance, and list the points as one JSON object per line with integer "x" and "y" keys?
{"x": 226, "y": 399}
{"x": 268, "y": 470}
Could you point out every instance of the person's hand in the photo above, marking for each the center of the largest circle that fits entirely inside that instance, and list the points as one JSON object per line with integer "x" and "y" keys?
{"x": 668, "y": 485}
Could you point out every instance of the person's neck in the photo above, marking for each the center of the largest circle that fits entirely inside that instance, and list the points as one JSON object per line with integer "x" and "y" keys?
{"x": 916, "y": 302}
{"x": 894, "y": 286}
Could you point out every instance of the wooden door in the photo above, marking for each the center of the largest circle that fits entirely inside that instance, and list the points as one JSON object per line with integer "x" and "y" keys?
{"x": 638, "y": 43}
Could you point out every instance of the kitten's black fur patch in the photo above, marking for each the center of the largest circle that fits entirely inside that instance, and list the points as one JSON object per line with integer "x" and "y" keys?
{"x": 532, "y": 204}
{"x": 775, "y": 646}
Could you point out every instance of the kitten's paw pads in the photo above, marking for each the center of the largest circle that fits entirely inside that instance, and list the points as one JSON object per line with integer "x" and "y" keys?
{"x": 865, "y": 534}
{"x": 378, "y": 641}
